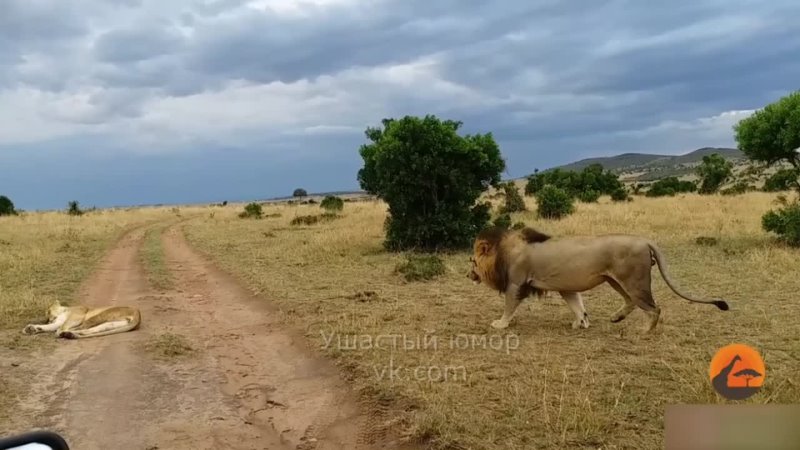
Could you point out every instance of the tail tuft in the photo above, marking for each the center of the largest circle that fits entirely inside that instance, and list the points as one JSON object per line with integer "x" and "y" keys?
{"x": 721, "y": 304}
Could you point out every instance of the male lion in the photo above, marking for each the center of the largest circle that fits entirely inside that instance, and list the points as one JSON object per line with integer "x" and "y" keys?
{"x": 76, "y": 322}
{"x": 519, "y": 263}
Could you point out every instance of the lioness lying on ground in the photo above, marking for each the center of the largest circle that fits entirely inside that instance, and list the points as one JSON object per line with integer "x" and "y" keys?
{"x": 519, "y": 263}
{"x": 75, "y": 322}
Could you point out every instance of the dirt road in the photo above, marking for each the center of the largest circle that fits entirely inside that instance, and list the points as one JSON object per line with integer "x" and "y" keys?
{"x": 249, "y": 384}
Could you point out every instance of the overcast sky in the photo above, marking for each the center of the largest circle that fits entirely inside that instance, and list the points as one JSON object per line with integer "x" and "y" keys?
{"x": 143, "y": 101}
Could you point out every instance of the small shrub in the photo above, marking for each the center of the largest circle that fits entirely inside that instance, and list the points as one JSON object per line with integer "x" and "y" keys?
{"x": 669, "y": 187}
{"x": 518, "y": 226}
{"x": 620, "y": 195}
{"x": 225, "y": 203}
{"x": 706, "y": 241}
{"x": 364, "y": 296}
{"x": 740, "y": 187}
{"x": 513, "y": 201}
{"x": 714, "y": 171}
{"x": 252, "y": 211}
{"x": 785, "y": 222}
{"x": 503, "y": 221}
{"x": 589, "y": 196}
{"x": 421, "y": 267}
{"x": 332, "y": 203}
{"x": 314, "y": 218}
{"x": 305, "y": 220}
{"x": 328, "y": 216}
{"x": 6, "y": 206}
{"x": 170, "y": 345}
{"x": 554, "y": 203}
{"x": 782, "y": 180}
{"x": 534, "y": 185}
{"x": 73, "y": 208}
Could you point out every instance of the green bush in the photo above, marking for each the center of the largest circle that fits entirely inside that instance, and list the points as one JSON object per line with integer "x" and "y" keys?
{"x": 591, "y": 178}
{"x": 670, "y": 186}
{"x": 785, "y": 222}
{"x": 714, "y": 171}
{"x": 431, "y": 178}
{"x": 314, "y": 218}
{"x": 738, "y": 188}
{"x": 332, "y": 203}
{"x": 421, "y": 267}
{"x": 782, "y": 180}
{"x": 590, "y": 196}
{"x": 7, "y": 206}
{"x": 518, "y": 226}
{"x": 513, "y": 201}
{"x": 554, "y": 203}
{"x": 503, "y": 220}
{"x": 535, "y": 183}
{"x": 73, "y": 208}
{"x": 620, "y": 195}
{"x": 251, "y": 211}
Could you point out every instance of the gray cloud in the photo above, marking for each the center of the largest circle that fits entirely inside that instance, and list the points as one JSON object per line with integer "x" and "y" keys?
{"x": 552, "y": 80}
{"x": 130, "y": 45}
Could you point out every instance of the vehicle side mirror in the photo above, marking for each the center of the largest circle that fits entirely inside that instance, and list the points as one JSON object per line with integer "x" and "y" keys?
{"x": 34, "y": 440}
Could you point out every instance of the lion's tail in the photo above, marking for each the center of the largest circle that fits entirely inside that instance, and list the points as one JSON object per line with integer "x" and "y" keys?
{"x": 659, "y": 258}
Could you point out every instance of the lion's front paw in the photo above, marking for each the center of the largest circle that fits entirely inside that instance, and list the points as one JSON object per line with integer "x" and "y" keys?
{"x": 499, "y": 324}
{"x": 30, "y": 329}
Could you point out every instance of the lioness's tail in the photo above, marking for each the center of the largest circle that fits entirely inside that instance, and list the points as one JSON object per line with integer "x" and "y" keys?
{"x": 721, "y": 304}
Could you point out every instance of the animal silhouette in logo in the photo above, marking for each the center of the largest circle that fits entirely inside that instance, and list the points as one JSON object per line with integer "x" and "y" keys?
{"x": 737, "y": 372}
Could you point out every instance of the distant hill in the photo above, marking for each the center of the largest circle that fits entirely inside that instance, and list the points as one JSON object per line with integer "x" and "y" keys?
{"x": 648, "y": 167}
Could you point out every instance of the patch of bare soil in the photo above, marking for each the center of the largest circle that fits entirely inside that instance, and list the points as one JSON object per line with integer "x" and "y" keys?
{"x": 209, "y": 368}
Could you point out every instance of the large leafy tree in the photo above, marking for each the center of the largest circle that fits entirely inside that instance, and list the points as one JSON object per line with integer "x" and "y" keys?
{"x": 772, "y": 134}
{"x": 714, "y": 171}
{"x": 431, "y": 177}
{"x": 769, "y": 136}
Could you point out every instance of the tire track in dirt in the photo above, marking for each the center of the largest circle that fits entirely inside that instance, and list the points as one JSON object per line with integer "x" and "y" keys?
{"x": 251, "y": 384}
{"x": 278, "y": 380}
{"x": 107, "y": 392}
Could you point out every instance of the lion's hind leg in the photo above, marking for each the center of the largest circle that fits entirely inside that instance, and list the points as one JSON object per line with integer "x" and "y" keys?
{"x": 638, "y": 290}
{"x": 627, "y": 307}
{"x": 104, "y": 329}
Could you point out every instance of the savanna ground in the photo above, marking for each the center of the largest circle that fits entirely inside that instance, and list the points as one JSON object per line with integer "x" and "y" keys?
{"x": 537, "y": 384}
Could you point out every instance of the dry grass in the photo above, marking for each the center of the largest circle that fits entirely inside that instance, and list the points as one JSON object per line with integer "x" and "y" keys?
{"x": 169, "y": 346}
{"x": 605, "y": 387}
{"x": 45, "y": 256}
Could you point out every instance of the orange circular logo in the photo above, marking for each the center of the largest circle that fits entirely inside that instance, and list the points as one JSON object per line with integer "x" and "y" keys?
{"x": 737, "y": 371}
